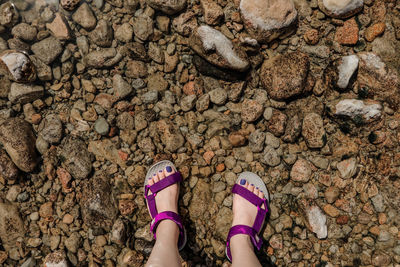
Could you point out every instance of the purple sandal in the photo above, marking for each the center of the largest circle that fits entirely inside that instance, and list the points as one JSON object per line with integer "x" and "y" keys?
{"x": 151, "y": 201}
{"x": 254, "y": 231}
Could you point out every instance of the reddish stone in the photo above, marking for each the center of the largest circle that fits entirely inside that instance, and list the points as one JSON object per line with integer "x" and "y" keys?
{"x": 105, "y": 100}
{"x": 123, "y": 155}
{"x": 236, "y": 139}
{"x": 343, "y": 219}
{"x": 277, "y": 123}
{"x": 374, "y": 31}
{"x": 113, "y": 131}
{"x": 192, "y": 88}
{"x": 36, "y": 118}
{"x": 348, "y": 33}
{"x": 46, "y": 210}
{"x": 207, "y": 156}
{"x": 126, "y": 206}
{"x": 331, "y": 210}
{"x": 65, "y": 179}
{"x": 311, "y": 37}
{"x": 220, "y": 167}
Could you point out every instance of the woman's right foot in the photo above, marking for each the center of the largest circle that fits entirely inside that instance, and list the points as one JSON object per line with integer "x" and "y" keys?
{"x": 244, "y": 212}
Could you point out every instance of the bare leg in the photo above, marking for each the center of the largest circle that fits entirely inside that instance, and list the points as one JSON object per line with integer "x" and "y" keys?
{"x": 244, "y": 213}
{"x": 165, "y": 251}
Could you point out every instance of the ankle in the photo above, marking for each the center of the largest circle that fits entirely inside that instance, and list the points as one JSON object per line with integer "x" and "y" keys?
{"x": 167, "y": 231}
{"x": 240, "y": 243}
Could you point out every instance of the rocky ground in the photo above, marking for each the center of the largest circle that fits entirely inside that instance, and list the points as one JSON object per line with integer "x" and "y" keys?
{"x": 305, "y": 93}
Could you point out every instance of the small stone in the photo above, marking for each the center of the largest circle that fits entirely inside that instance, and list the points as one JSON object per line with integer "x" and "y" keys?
{"x": 102, "y": 35}
{"x": 46, "y": 210}
{"x": 18, "y": 139}
{"x": 347, "y": 168}
{"x": 331, "y": 210}
{"x": 72, "y": 243}
{"x": 47, "y": 50}
{"x": 50, "y": 129}
{"x": 374, "y": 31}
{"x": 188, "y": 102}
{"x": 126, "y": 206}
{"x": 348, "y": 33}
{"x": 76, "y": 157}
{"x": 121, "y": 87}
{"x": 313, "y": 131}
{"x": 213, "y": 13}
{"x": 277, "y": 123}
{"x": 311, "y": 37}
{"x": 8, "y": 170}
{"x": 218, "y": 96}
{"x": 169, "y": 7}
{"x": 251, "y": 110}
{"x": 84, "y": 16}
{"x": 8, "y": 14}
{"x": 143, "y": 27}
{"x": 340, "y": 8}
{"x": 59, "y": 27}
{"x": 331, "y": 194}
{"x": 301, "y": 171}
{"x": 257, "y": 140}
{"x": 24, "y": 31}
{"x": 25, "y": 93}
{"x": 118, "y": 232}
{"x": 69, "y": 5}
{"x": 124, "y": 33}
{"x": 270, "y": 157}
{"x": 101, "y": 126}
{"x": 11, "y": 225}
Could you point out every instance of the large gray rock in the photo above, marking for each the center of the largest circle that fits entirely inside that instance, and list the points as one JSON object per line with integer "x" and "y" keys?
{"x": 85, "y": 17}
{"x": 18, "y": 139}
{"x": 11, "y": 226}
{"x": 25, "y": 93}
{"x": 98, "y": 206}
{"x": 76, "y": 158}
{"x": 218, "y": 50}
{"x": 169, "y": 7}
{"x": 48, "y": 49}
{"x": 266, "y": 20}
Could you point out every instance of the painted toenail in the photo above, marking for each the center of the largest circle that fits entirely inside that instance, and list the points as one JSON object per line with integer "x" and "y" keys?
{"x": 160, "y": 171}
{"x": 252, "y": 184}
{"x": 169, "y": 169}
{"x": 242, "y": 181}
{"x": 256, "y": 187}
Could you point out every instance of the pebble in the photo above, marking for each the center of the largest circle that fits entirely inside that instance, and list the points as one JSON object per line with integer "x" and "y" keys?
{"x": 69, "y": 5}
{"x": 47, "y": 50}
{"x": 374, "y": 31}
{"x": 313, "y": 131}
{"x": 348, "y": 33}
{"x": 218, "y": 96}
{"x": 317, "y": 221}
{"x": 102, "y": 35}
{"x": 270, "y": 157}
{"x": 251, "y": 110}
{"x": 301, "y": 171}
{"x": 85, "y": 17}
{"x": 340, "y": 8}
{"x": 101, "y": 126}
{"x": 17, "y": 66}
{"x": 347, "y": 168}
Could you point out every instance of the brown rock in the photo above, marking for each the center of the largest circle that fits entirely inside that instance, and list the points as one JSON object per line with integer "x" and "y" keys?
{"x": 208, "y": 156}
{"x": 374, "y": 31}
{"x": 46, "y": 211}
{"x": 301, "y": 171}
{"x": 8, "y": 170}
{"x": 251, "y": 110}
{"x": 236, "y": 139}
{"x": 65, "y": 179}
{"x": 331, "y": 194}
{"x": 69, "y": 4}
{"x": 126, "y": 206}
{"x": 313, "y": 130}
{"x": 311, "y": 37}
{"x": 277, "y": 123}
{"x": 18, "y": 139}
{"x": 341, "y": 9}
{"x": 59, "y": 27}
{"x": 212, "y": 12}
{"x": 342, "y": 219}
{"x": 11, "y": 225}
{"x": 348, "y": 33}
{"x": 193, "y": 88}
{"x": 331, "y": 210}
{"x": 136, "y": 69}
{"x": 285, "y": 76}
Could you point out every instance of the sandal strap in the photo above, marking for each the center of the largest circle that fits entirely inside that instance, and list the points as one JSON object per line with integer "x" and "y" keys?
{"x": 164, "y": 183}
{"x": 256, "y": 201}
{"x": 169, "y": 215}
{"x": 243, "y": 230}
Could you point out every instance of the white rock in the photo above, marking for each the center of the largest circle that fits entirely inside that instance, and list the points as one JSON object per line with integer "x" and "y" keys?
{"x": 354, "y": 107}
{"x": 215, "y": 40}
{"x": 346, "y": 70}
{"x": 268, "y": 14}
{"x": 339, "y": 7}
{"x": 56, "y": 259}
{"x": 317, "y": 221}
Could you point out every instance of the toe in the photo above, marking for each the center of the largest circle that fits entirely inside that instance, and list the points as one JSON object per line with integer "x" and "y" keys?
{"x": 161, "y": 175}
{"x": 168, "y": 171}
{"x": 261, "y": 194}
{"x": 155, "y": 178}
{"x": 256, "y": 191}
{"x": 250, "y": 187}
{"x": 243, "y": 182}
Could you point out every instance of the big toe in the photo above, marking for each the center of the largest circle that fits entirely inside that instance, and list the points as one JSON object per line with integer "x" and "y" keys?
{"x": 169, "y": 170}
